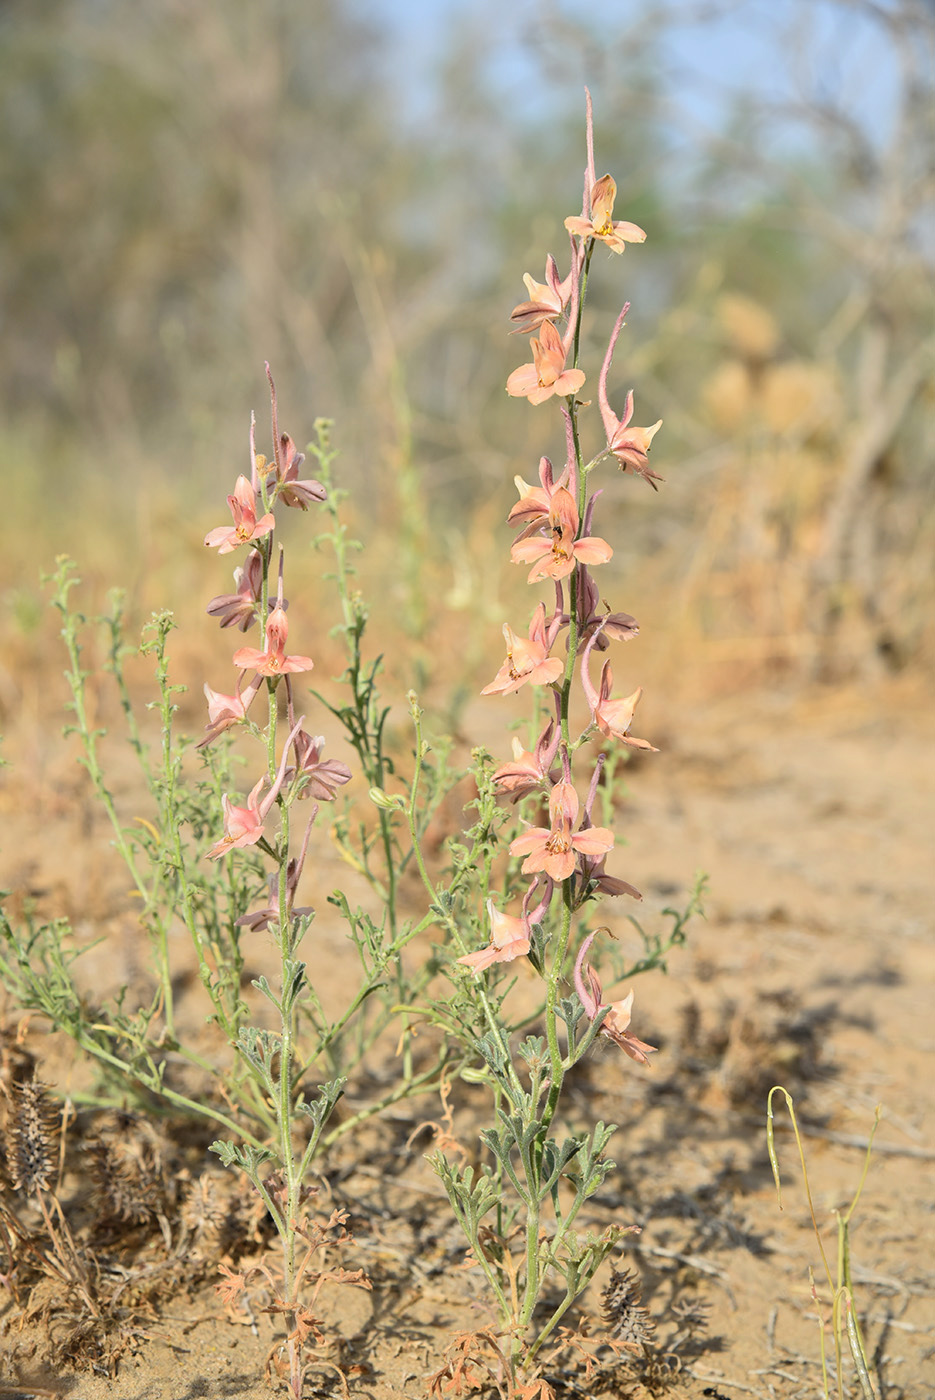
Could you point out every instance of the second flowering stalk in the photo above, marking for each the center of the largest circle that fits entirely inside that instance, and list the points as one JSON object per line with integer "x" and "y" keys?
{"x": 520, "y": 1211}
{"x": 293, "y": 771}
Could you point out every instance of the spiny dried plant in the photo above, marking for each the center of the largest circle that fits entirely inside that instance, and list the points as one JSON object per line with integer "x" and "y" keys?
{"x": 626, "y": 1320}
{"x": 203, "y": 1210}
{"x": 45, "y": 1258}
{"x": 652, "y": 1361}
{"x": 130, "y": 1179}
{"x": 690, "y": 1317}
{"x": 82, "y": 1296}
{"x": 224, "y": 1218}
{"x": 29, "y": 1145}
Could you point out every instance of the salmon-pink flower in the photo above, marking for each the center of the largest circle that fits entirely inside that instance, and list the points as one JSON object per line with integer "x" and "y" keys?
{"x": 239, "y": 609}
{"x": 243, "y": 826}
{"x": 509, "y": 939}
{"x": 616, "y": 1024}
{"x": 246, "y": 527}
{"x": 526, "y": 659}
{"x": 271, "y": 914}
{"x": 601, "y": 225}
{"x": 285, "y": 474}
{"x": 556, "y": 557}
{"x": 323, "y": 776}
{"x": 547, "y": 374}
{"x": 630, "y": 445}
{"x": 621, "y": 627}
{"x": 528, "y": 771}
{"x": 224, "y": 711}
{"x": 285, "y": 477}
{"x": 547, "y": 299}
{"x": 520, "y": 777}
{"x": 612, "y": 717}
{"x": 555, "y": 849}
{"x": 593, "y": 870}
{"x": 273, "y": 661}
{"x": 262, "y": 918}
{"x": 532, "y": 508}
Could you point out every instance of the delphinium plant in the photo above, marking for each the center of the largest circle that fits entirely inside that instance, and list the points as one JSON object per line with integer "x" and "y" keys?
{"x": 520, "y": 1208}
{"x": 293, "y": 768}
{"x": 226, "y": 868}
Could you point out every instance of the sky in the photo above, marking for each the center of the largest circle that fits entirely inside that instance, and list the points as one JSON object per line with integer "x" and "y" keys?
{"x": 710, "y": 52}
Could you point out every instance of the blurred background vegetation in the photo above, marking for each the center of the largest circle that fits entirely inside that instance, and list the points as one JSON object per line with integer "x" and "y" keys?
{"x": 188, "y": 190}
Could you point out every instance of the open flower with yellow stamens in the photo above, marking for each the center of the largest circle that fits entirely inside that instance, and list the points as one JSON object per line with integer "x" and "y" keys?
{"x": 527, "y": 659}
{"x": 246, "y": 526}
{"x": 601, "y": 225}
{"x": 556, "y": 557}
{"x": 547, "y": 374}
{"x": 554, "y": 849}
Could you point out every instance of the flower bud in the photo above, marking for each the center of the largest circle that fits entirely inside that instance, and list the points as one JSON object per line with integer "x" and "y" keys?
{"x": 385, "y": 802}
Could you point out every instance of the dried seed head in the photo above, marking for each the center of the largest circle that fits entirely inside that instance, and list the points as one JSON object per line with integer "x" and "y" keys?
{"x": 691, "y": 1315}
{"x": 202, "y": 1211}
{"x": 127, "y": 1181}
{"x": 627, "y": 1322}
{"x": 30, "y": 1146}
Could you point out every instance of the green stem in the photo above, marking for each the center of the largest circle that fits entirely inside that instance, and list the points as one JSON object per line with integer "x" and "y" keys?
{"x": 551, "y": 1005}
{"x": 367, "y": 731}
{"x": 570, "y": 1296}
{"x": 582, "y": 293}
{"x": 154, "y": 1085}
{"x": 441, "y": 915}
{"x": 115, "y": 625}
{"x": 397, "y": 1095}
{"x": 76, "y": 679}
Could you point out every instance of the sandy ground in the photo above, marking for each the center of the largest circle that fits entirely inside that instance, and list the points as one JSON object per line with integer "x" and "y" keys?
{"x": 814, "y": 968}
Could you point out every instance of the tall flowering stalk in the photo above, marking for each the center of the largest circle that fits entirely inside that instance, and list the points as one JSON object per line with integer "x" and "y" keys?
{"x": 292, "y": 769}
{"x": 296, "y": 776}
{"x": 563, "y": 853}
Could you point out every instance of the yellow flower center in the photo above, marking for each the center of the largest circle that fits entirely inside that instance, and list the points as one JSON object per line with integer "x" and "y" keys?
{"x": 515, "y": 674}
